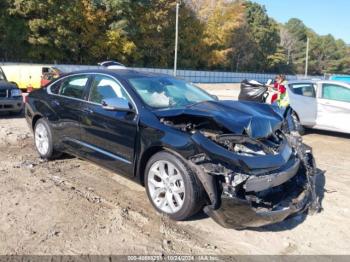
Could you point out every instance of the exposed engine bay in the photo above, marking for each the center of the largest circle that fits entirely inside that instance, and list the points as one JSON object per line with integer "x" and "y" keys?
{"x": 269, "y": 178}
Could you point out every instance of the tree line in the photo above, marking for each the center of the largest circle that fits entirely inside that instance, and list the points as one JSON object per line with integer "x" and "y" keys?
{"x": 235, "y": 35}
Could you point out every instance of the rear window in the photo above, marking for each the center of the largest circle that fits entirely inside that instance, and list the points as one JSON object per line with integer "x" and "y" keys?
{"x": 74, "y": 86}
{"x": 55, "y": 88}
{"x": 303, "y": 89}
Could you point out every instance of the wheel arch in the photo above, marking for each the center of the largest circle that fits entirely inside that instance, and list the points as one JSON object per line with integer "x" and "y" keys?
{"x": 207, "y": 182}
{"x": 35, "y": 120}
{"x": 147, "y": 154}
{"x": 296, "y": 113}
{"x": 301, "y": 126}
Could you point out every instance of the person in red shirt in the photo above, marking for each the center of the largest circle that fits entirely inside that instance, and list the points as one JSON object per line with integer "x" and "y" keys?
{"x": 279, "y": 86}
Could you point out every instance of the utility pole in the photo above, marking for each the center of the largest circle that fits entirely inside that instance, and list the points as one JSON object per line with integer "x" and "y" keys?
{"x": 307, "y": 57}
{"x": 178, "y": 2}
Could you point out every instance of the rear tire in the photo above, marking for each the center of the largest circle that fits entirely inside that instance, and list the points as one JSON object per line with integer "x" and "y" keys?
{"x": 172, "y": 187}
{"x": 43, "y": 140}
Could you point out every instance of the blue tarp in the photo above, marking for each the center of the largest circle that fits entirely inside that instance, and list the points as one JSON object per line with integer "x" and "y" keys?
{"x": 344, "y": 78}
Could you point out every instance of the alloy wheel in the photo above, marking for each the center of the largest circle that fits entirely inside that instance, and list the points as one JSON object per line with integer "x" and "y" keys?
{"x": 166, "y": 187}
{"x": 41, "y": 139}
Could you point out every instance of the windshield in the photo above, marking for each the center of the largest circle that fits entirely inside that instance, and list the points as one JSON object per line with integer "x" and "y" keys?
{"x": 164, "y": 92}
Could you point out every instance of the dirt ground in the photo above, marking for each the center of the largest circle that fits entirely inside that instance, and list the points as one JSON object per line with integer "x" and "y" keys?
{"x": 70, "y": 206}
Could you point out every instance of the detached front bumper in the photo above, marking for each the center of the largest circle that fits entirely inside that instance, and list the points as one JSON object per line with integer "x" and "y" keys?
{"x": 11, "y": 104}
{"x": 239, "y": 214}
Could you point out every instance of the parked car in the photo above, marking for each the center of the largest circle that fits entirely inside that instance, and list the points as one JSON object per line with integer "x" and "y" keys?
{"x": 112, "y": 64}
{"x": 26, "y": 76}
{"x": 188, "y": 149}
{"x": 11, "y": 100}
{"x": 321, "y": 105}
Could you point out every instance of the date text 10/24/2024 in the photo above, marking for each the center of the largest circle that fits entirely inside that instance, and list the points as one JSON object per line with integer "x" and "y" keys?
{"x": 173, "y": 258}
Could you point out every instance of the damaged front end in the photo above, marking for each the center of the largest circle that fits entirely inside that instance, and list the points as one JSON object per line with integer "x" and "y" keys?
{"x": 250, "y": 182}
{"x": 253, "y": 197}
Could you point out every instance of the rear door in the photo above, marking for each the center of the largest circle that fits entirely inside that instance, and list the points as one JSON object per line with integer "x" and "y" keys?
{"x": 333, "y": 107}
{"x": 109, "y": 136}
{"x": 302, "y": 98}
{"x": 67, "y": 102}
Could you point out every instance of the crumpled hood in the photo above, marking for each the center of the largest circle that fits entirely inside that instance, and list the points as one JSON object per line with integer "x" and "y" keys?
{"x": 254, "y": 119}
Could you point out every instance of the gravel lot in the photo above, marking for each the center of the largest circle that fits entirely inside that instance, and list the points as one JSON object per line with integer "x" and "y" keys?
{"x": 70, "y": 206}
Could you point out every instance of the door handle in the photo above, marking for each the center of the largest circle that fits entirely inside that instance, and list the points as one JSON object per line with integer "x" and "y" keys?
{"x": 55, "y": 103}
{"x": 88, "y": 110}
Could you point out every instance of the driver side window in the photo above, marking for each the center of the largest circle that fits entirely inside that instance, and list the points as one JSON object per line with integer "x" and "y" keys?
{"x": 104, "y": 87}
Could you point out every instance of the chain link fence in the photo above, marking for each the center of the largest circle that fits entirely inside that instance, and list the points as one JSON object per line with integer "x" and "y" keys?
{"x": 195, "y": 76}
{"x": 221, "y": 77}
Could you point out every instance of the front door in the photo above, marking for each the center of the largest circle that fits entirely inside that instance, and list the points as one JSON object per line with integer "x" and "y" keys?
{"x": 109, "y": 136}
{"x": 333, "y": 108}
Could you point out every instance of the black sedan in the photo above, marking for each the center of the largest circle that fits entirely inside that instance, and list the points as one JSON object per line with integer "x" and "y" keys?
{"x": 11, "y": 100}
{"x": 188, "y": 149}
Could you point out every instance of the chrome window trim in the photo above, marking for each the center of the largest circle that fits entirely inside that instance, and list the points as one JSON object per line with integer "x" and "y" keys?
{"x": 48, "y": 89}
{"x": 100, "y": 151}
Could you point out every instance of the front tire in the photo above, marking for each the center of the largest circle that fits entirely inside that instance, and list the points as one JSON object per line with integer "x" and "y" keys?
{"x": 172, "y": 187}
{"x": 298, "y": 126}
{"x": 43, "y": 140}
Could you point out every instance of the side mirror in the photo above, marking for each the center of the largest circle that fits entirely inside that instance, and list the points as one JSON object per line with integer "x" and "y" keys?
{"x": 116, "y": 104}
{"x": 215, "y": 97}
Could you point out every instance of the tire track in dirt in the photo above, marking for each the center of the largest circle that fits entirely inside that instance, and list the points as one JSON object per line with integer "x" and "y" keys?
{"x": 130, "y": 207}
{"x": 70, "y": 206}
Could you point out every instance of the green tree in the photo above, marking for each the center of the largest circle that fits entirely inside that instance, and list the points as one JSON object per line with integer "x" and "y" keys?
{"x": 214, "y": 34}
{"x": 70, "y": 31}
{"x": 255, "y": 43}
{"x": 221, "y": 19}
{"x": 326, "y": 54}
{"x": 13, "y": 35}
{"x": 151, "y": 26}
{"x": 293, "y": 39}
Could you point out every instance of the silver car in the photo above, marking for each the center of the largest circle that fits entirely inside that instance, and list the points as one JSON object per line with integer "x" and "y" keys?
{"x": 320, "y": 104}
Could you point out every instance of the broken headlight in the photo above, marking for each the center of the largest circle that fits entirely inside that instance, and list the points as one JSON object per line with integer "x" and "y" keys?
{"x": 246, "y": 146}
{"x": 247, "y": 151}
